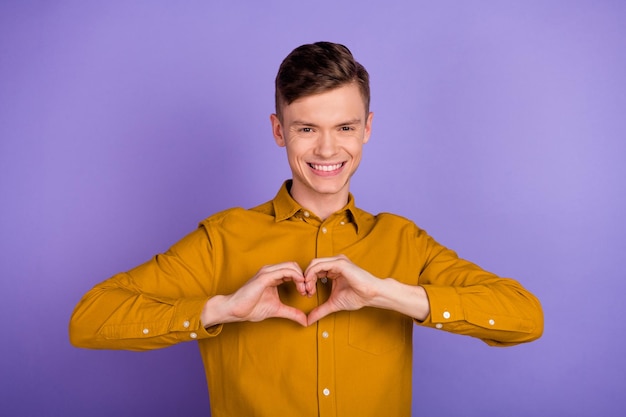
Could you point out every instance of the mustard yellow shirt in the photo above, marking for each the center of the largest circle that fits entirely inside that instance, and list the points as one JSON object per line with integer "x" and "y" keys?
{"x": 354, "y": 363}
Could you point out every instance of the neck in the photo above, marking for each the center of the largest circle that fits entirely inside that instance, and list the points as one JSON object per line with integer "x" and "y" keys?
{"x": 323, "y": 205}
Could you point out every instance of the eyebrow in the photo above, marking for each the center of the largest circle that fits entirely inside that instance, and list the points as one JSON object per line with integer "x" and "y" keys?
{"x": 308, "y": 124}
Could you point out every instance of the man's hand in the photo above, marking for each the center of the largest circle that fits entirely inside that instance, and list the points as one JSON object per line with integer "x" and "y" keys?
{"x": 258, "y": 299}
{"x": 354, "y": 288}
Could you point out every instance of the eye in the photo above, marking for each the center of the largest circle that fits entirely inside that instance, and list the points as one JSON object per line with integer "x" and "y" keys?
{"x": 346, "y": 128}
{"x": 306, "y": 129}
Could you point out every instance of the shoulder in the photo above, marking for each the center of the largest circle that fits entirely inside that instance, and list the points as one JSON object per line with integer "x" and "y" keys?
{"x": 238, "y": 216}
{"x": 394, "y": 218}
{"x": 384, "y": 218}
{"x": 390, "y": 224}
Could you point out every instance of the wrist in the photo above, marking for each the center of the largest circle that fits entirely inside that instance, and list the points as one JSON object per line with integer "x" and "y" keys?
{"x": 215, "y": 312}
{"x": 410, "y": 300}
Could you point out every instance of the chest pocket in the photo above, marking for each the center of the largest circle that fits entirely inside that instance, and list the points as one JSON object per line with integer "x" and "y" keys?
{"x": 378, "y": 331}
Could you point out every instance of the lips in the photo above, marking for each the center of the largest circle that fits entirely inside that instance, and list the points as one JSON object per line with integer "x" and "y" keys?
{"x": 326, "y": 167}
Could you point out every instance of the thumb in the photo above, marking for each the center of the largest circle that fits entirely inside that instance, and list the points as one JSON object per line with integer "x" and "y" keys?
{"x": 293, "y": 314}
{"x": 319, "y": 313}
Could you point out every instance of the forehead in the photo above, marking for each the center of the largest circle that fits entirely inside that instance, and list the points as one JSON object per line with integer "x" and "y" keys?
{"x": 339, "y": 104}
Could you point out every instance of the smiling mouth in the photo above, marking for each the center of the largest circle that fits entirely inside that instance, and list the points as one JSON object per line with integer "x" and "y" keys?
{"x": 326, "y": 168}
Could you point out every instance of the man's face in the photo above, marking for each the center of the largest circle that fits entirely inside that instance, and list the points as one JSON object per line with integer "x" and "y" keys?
{"x": 324, "y": 136}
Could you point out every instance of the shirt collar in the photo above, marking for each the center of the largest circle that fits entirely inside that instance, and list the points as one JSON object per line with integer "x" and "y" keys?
{"x": 286, "y": 207}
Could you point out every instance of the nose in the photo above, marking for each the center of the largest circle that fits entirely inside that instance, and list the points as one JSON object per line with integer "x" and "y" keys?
{"x": 326, "y": 144}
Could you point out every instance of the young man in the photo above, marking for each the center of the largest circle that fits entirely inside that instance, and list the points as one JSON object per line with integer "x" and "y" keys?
{"x": 304, "y": 305}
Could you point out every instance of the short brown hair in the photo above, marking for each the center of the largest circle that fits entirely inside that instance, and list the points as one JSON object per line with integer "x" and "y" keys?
{"x": 316, "y": 68}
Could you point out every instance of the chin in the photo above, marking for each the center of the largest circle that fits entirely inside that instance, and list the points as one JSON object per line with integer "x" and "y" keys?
{"x": 334, "y": 188}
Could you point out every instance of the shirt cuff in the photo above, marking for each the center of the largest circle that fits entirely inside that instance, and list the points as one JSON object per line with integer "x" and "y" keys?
{"x": 445, "y": 306}
{"x": 187, "y": 321}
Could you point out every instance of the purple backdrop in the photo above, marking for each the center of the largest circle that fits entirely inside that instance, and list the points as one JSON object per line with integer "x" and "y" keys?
{"x": 498, "y": 128}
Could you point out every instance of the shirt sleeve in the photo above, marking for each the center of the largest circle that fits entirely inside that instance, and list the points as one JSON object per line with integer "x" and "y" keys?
{"x": 154, "y": 305}
{"x": 468, "y": 300}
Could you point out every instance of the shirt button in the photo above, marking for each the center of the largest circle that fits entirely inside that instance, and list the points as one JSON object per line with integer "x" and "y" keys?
{"x": 342, "y": 223}
{"x": 325, "y": 335}
{"x": 193, "y": 335}
{"x": 446, "y": 315}
{"x": 326, "y": 392}
{"x": 146, "y": 331}
{"x": 306, "y": 214}
{"x": 324, "y": 280}
{"x": 492, "y": 321}
{"x": 439, "y": 325}
{"x": 324, "y": 230}
{"x": 186, "y": 324}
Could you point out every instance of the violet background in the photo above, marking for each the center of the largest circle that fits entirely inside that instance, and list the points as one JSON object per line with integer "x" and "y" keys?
{"x": 499, "y": 128}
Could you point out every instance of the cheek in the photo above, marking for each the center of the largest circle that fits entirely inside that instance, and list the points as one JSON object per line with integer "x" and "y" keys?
{"x": 294, "y": 151}
{"x": 294, "y": 159}
{"x": 356, "y": 150}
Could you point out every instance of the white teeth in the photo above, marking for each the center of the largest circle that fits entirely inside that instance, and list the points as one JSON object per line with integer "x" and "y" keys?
{"x": 326, "y": 168}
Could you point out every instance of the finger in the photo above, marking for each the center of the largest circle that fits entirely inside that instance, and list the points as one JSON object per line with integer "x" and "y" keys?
{"x": 315, "y": 271}
{"x": 293, "y": 314}
{"x": 317, "y": 261}
{"x": 284, "y": 266}
{"x": 319, "y": 313}
{"x": 276, "y": 275}
{"x": 311, "y": 288}
{"x": 326, "y": 269}
{"x": 310, "y": 284}
{"x": 311, "y": 280}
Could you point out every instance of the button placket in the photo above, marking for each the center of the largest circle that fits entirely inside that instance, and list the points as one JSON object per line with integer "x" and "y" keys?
{"x": 326, "y": 360}
{"x": 326, "y": 326}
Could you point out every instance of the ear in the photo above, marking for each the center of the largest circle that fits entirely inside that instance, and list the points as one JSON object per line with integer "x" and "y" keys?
{"x": 368, "y": 127}
{"x": 277, "y": 130}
